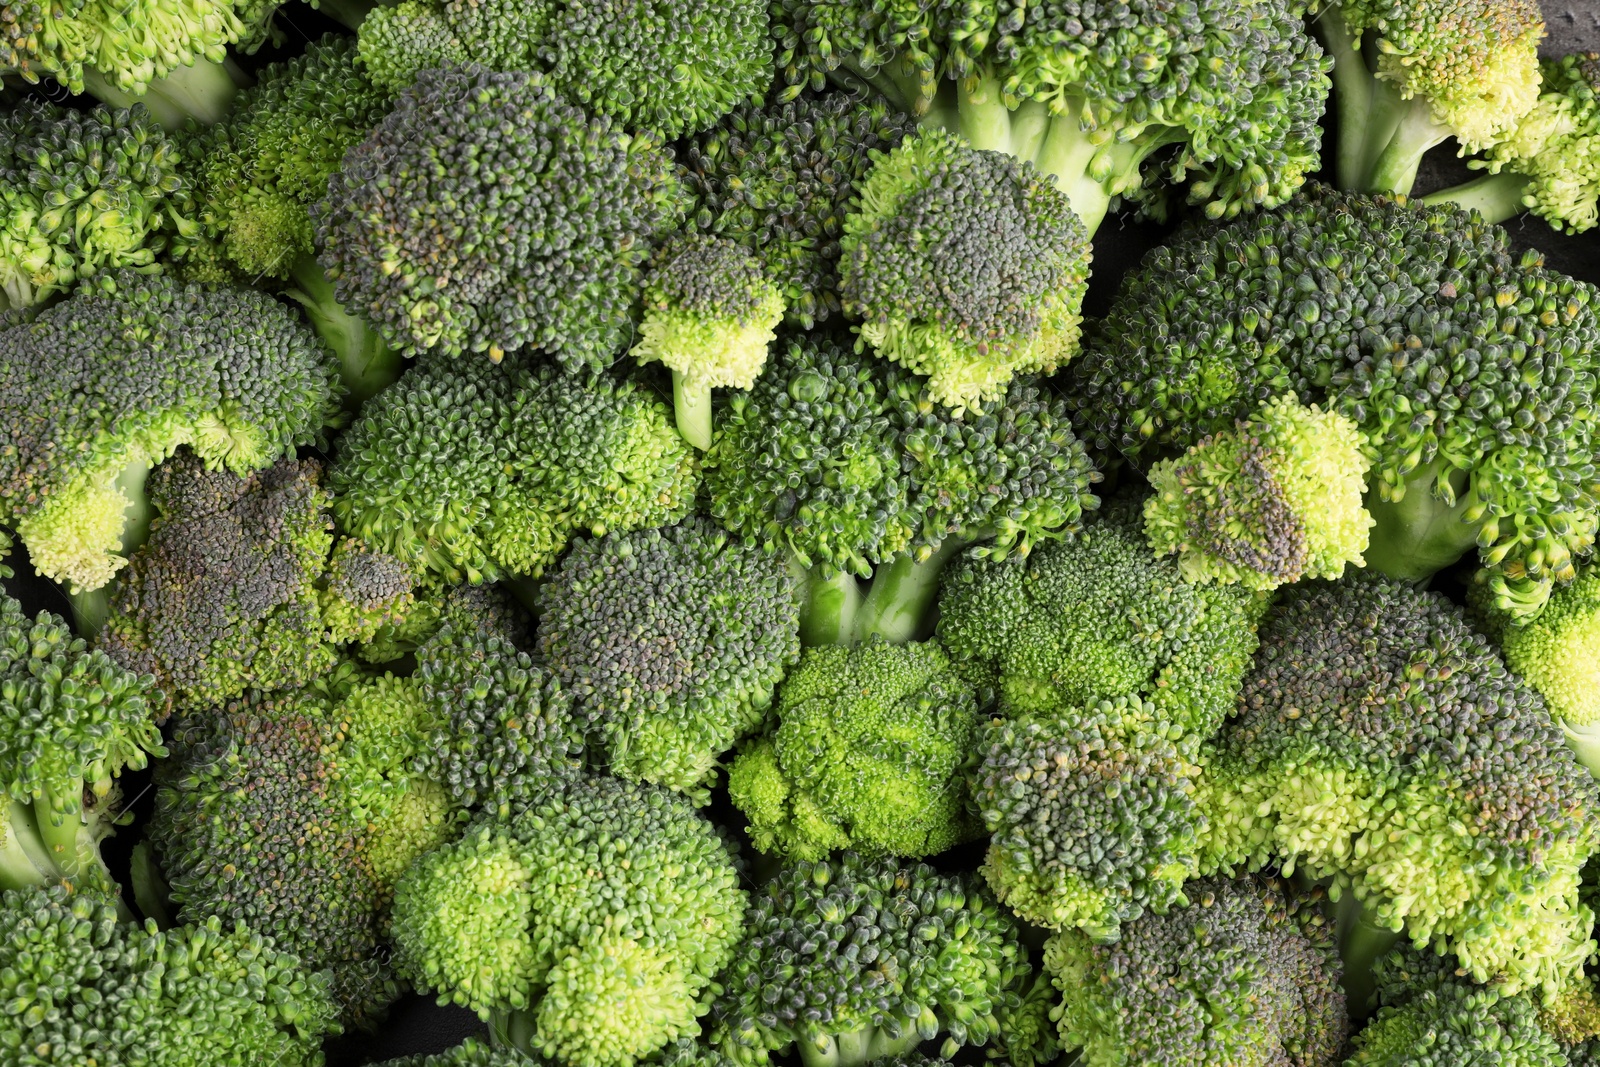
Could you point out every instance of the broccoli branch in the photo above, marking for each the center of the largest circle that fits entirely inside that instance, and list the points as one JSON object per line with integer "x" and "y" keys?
{"x": 1585, "y": 743}
{"x": 1497, "y": 197}
{"x": 203, "y": 91}
{"x": 38, "y": 848}
{"x": 691, "y": 404}
{"x": 1420, "y": 534}
{"x": 828, "y": 606}
{"x": 367, "y": 364}
{"x": 348, "y": 13}
{"x": 899, "y": 603}
{"x": 854, "y": 1049}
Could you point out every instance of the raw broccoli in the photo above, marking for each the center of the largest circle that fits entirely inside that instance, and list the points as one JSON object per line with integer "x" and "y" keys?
{"x": 1241, "y": 974}
{"x": 71, "y": 721}
{"x": 670, "y": 642}
{"x": 588, "y": 925}
{"x": 1114, "y": 101}
{"x": 1408, "y": 76}
{"x": 472, "y": 1052}
{"x": 82, "y": 988}
{"x": 83, "y": 192}
{"x": 1467, "y": 368}
{"x": 539, "y": 244}
{"x": 1382, "y": 743}
{"x": 470, "y": 470}
{"x": 1274, "y": 500}
{"x": 709, "y": 315}
{"x": 865, "y": 753}
{"x": 97, "y": 389}
{"x": 966, "y": 266}
{"x": 780, "y": 179}
{"x": 850, "y": 960}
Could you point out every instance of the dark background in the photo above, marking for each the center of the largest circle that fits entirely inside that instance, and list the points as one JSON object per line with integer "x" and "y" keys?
{"x": 416, "y": 1024}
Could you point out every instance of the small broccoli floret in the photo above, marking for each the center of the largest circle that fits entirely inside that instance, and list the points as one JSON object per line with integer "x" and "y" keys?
{"x": 588, "y": 925}
{"x": 1237, "y": 975}
{"x": 1410, "y": 75}
{"x": 1275, "y": 500}
{"x": 670, "y": 642}
{"x": 99, "y": 388}
{"x": 494, "y": 258}
{"x": 470, "y": 1053}
{"x": 1381, "y": 743}
{"x": 780, "y": 180}
{"x": 865, "y": 754}
{"x": 968, "y": 267}
{"x": 370, "y": 598}
{"x": 709, "y": 315}
{"x": 71, "y": 721}
{"x": 81, "y": 987}
{"x": 851, "y": 960}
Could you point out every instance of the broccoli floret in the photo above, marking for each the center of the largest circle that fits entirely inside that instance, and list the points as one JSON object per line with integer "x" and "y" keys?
{"x": 1274, "y": 500}
{"x": 865, "y": 754}
{"x": 968, "y": 267}
{"x": 97, "y": 389}
{"x": 1238, "y": 975}
{"x": 1465, "y": 366}
{"x": 709, "y": 315}
{"x": 470, "y": 470}
{"x": 1382, "y": 743}
{"x": 470, "y": 1053}
{"x": 851, "y": 960}
{"x": 370, "y": 599}
{"x": 781, "y": 179}
{"x": 588, "y": 925}
{"x": 1408, "y": 76}
{"x": 670, "y": 642}
{"x": 539, "y": 244}
{"x": 82, "y": 192}
{"x": 80, "y": 987}
{"x": 71, "y": 721}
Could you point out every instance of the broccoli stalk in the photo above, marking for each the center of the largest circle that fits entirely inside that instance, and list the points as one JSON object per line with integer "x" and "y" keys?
{"x": 1423, "y": 531}
{"x": 202, "y": 91}
{"x": 1497, "y": 197}
{"x": 367, "y": 363}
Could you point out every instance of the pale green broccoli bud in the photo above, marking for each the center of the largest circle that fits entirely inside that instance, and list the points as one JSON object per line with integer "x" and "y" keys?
{"x": 865, "y": 754}
{"x": 709, "y": 314}
{"x": 1275, "y": 500}
{"x": 965, "y": 266}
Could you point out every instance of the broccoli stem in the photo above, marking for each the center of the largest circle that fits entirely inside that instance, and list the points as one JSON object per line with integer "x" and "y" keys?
{"x": 692, "y": 406}
{"x": 982, "y": 116}
{"x": 511, "y": 1030}
{"x": 150, "y": 890}
{"x": 828, "y": 605}
{"x": 1353, "y": 87}
{"x": 1394, "y": 169}
{"x": 1497, "y": 197}
{"x": 1361, "y": 943}
{"x": 24, "y": 859}
{"x": 347, "y": 13}
{"x": 19, "y": 292}
{"x": 1585, "y": 743}
{"x": 367, "y": 365}
{"x": 1419, "y": 535}
{"x": 899, "y": 603}
{"x": 856, "y": 1048}
{"x": 1068, "y": 153}
{"x": 203, "y": 91}
{"x": 1030, "y": 125}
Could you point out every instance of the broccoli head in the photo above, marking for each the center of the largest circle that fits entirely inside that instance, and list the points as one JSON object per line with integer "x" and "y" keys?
{"x": 1240, "y": 974}
{"x": 472, "y": 1052}
{"x": 670, "y": 642}
{"x": 866, "y": 754}
{"x": 540, "y": 243}
{"x": 1380, "y": 742}
{"x": 966, "y": 266}
{"x": 99, "y": 388}
{"x": 1467, "y": 368}
{"x": 589, "y": 924}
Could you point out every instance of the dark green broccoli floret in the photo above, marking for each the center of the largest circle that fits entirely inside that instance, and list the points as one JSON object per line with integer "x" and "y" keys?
{"x": 370, "y": 598}
{"x": 1236, "y": 976}
{"x": 71, "y": 721}
{"x": 539, "y": 244}
{"x": 780, "y": 180}
{"x": 99, "y": 388}
{"x": 670, "y": 642}
{"x": 82, "y": 988}
{"x": 588, "y": 925}
{"x": 470, "y": 1053}
{"x": 472, "y": 470}
{"x": 852, "y": 960}
{"x": 1466, "y": 367}
{"x": 1382, "y": 743}
{"x": 865, "y": 754}
{"x": 968, "y": 267}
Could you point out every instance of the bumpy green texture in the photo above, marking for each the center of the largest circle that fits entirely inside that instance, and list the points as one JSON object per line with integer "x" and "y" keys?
{"x": 865, "y": 754}
{"x": 1099, "y": 617}
{"x": 539, "y": 244}
{"x": 113, "y": 382}
{"x": 1469, "y": 369}
{"x": 1274, "y": 500}
{"x": 1237, "y": 976}
{"x": 850, "y": 960}
{"x": 1382, "y": 743}
{"x": 470, "y": 470}
{"x": 673, "y": 67}
{"x": 370, "y": 598}
{"x": 82, "y": 988}
{"x": 588, "y": 925}
{"x": 780, "y": 179}
{"x": 670, "y": 642}
{"x": 472, "y": 1052}
{"x": 965, "y": 266}
{"x": 71, "y": 721}
{"x": 1091, "y": 814}
{"x": 82, "y": 192}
